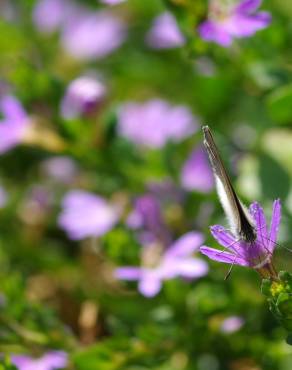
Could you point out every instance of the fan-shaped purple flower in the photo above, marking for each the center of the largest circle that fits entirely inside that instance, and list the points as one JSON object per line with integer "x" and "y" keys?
{"x": 86, "y": 215}
{"x": 257, "y": 255}
{"x": 155, "y": 122}
{"x": 176, "y": 261}
{"x": 228, "y": 21}
{"x": 52, "y": 360}
{"x": 92, "y": 35}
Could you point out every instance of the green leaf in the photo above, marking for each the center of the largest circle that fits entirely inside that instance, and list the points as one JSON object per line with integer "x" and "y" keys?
{"x": 279, "y": 104}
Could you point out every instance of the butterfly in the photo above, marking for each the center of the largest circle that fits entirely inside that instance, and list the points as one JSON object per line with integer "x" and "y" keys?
{"x": 241, "y": 223}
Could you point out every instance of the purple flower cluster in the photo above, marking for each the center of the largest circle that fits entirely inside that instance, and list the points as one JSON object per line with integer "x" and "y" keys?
{"x": 155, "y": 122}
{"x": 258, "y": 255}
{"x": 227, "y": 21}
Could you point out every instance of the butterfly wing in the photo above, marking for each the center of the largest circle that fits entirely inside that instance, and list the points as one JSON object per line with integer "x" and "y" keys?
{"x": 238, "y": 216}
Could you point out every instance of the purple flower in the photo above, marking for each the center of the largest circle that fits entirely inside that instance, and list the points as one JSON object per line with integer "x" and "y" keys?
{"x": 86, "y": 215}
{"x": 165, "y": 33}
{"x": 147, "y": 216}
{"x": 14, "y": 124}
{"x": 3, "y": 197}
{"x": 231, "y": 324}
{"x": 49, "y": 15}
{"x": 83, "y": 96}
{"x": 196, "y": 173}
{"x": 92, "y": 35}
{"x": 226, "y": 21}
{"x": 258, "y": 255}
{"x": 176, "y": 261}
{"x": 155, "y": 122}
{"x": 49, "y": 361}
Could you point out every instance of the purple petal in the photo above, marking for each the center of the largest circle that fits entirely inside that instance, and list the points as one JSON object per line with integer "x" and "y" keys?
{"x": 86, "y": 215}
{"x": 165, "y": 33}
{"x": 257, "y": 213}
{"x": 191, "y": 267}
{"x": 185, "y": 245}
{"x": 231, "y": 324}
{"x": 211, "y": 31}
{"x": 92, "y": 35}
{"x": 12, "y": 109}
{"x": 275, "y": 223}
{"x": 196, "y": 173}
{"x": 128, "y": 273}
{"x": 222, "y": 256}
{"x": 150, "y": 284}
{"x": 248, "y": 6}
{"x": 155, "y": 122}
{"x": 243, "y": 26}
{"x": 225, "y": 238}
{"x": 50, "y": 361}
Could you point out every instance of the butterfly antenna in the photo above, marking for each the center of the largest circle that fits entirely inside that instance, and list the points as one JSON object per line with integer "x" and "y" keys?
{"x": 230, "y": 270}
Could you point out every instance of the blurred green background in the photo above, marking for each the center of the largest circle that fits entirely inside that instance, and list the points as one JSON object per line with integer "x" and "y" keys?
{"x": 61, "y": 294}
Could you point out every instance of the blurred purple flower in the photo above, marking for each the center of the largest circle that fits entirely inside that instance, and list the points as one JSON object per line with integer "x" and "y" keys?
{"x": 92, "y": 35}
{"x": 86, "y": 215}
{"x": 165, "y": 33}
{"x": 231, "y": 324}
{"x": 50, "y": 361}
{"x": 227, "y": 21}
{"x": 259, "y": 255}
{"x": 14, "y": 124}
{"x": 83, "y": 95}
{"x": 196, "y": 173}
{"x": 62, "y": 169}
{"x": 155, "y": 122}
{"x": 49, "y": 15}
{"x": 3, "y": 197}
{"x": 148, "y": 217}
{"x": 112, "y": 2}
{"x": 176, "y": 261}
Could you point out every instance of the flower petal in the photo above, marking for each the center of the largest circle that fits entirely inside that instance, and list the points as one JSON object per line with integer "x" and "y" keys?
{"x": 244, "y": 26}
{"x": 225, "y": 238}
{"x": 275, "y": 222}
{"x": 248, "y": 6}
{"x": 149, "y": 285}
{"x": 191, "y": 267}
{"x": 211, "y": 31}
{"x": 128, "y": 273}
{"x": 222, "y": 256}
{"x": 258, "y": 215}
{"x": 185, "y": 245}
